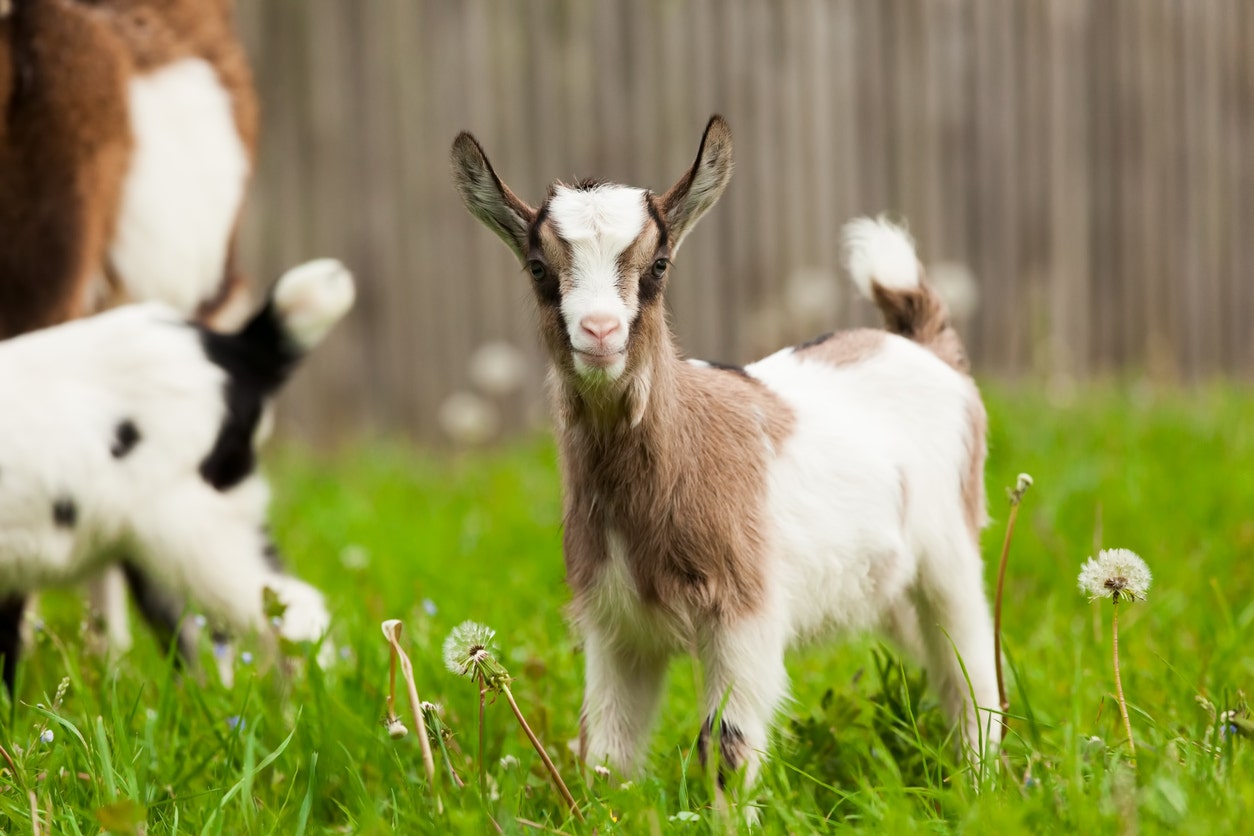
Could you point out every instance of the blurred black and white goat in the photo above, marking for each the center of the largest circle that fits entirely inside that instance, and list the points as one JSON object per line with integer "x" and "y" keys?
{"x": 128, "y": 134}
{"x": 736, "y": 512}
{"x": 132, "y": 433}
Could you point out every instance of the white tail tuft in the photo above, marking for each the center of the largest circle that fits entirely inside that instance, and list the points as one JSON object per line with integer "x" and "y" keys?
{"x": 312, "y": 297}
{"x": 879, "y": 252}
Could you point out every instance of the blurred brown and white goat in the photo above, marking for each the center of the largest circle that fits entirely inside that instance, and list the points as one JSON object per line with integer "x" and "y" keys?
{"x": 134, "y": 432}
{"x": 737, "y": 512}
{"x": 127, "y": 135}
{"x": 128, "y": 130}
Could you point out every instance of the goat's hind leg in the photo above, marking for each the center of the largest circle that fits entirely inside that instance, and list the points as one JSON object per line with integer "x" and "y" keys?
{"x": 957, "y": 631}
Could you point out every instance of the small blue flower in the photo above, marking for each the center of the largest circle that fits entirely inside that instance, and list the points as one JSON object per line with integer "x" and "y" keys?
{"x": 236, "y": 722}
{"x": 276, "y": 622}
{"x": 47, "y": 736}
{"x": 246, "y": 657}
{"x": 200, "y": 621}
{"x": 345, "y": 652}
{"x": 428, "y": 606}
{"x": 220, "y": 650}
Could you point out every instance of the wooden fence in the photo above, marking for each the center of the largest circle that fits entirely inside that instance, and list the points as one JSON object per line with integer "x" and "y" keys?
{"x": 1090, "y": 163}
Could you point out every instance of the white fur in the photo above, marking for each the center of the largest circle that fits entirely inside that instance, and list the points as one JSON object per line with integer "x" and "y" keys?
{"x": 868, "y": 518}
{"x": 66, "y": 390}
{"x": 880, "y": 252}
{"x": 184, "y": 189}
{"x": 627, "y": 648}
{"x": 313, "y": 297}
{"x": 598, "y": 224}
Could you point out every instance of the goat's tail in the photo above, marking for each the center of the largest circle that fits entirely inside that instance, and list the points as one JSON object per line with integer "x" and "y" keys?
{"x": 881, "y": 260}
{"x": 301, "y": 309}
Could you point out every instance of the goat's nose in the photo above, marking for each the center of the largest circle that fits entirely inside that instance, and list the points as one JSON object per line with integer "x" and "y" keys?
{"x": 599, "y": 326}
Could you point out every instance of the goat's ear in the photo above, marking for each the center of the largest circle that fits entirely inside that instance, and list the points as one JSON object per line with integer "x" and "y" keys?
{"x": 487, "y": 198}
{"x": 701, "y": 185}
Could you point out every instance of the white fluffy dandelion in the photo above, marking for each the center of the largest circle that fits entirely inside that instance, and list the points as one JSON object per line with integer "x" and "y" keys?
{"x": 1118, "y": 574}
{"x": 468, "y": 649}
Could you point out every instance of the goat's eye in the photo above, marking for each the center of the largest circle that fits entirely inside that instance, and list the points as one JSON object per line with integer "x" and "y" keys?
{"x": 659, "y": 267}
{"x": 537, "y": 269}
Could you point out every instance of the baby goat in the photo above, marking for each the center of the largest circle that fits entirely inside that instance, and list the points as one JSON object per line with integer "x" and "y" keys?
{"x": 737, "y": 512}
{"x": 132, "y": 433}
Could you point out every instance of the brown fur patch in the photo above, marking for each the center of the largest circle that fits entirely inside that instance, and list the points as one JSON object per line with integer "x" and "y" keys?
{"x": 65, "y": 140}
{"x": 684, "y": 486}
{"x": 921, "y": 315}
{"x": 844, "y": 347}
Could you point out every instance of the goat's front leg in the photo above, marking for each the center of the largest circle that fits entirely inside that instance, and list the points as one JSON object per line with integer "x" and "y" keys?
{"x": 621, "y": 692}
{"x": 745, "y": 682}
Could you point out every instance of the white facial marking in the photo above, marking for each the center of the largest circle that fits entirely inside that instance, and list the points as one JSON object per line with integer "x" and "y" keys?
{"x": 598, "y": 224}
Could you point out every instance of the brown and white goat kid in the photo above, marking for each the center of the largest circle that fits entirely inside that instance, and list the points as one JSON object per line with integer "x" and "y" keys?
{"x": 737, "y": 512}
{"x": 127, "y": 135}
{"x": 132, "y": 434}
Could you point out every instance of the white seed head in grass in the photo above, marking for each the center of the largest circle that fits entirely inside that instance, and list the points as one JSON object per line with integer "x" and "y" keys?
{"x": 1118, "y": 574}
{"x": 396, "y": 729}
{"x": 468, "y": 650}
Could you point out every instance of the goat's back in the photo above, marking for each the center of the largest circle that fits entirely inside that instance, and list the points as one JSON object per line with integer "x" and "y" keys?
{"x": 875, "y": 476}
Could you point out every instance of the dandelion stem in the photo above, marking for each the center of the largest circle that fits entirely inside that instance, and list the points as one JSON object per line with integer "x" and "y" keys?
{"x": 1016, "y": 496}
{"x": 544, "y": 756}
{"x": 483, "y": 762}
{"x": 392, "y": 632}
{"x": 1123, "y": 705}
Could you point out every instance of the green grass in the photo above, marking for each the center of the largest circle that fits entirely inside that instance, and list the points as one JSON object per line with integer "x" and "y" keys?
{"x": 383, "y": 529}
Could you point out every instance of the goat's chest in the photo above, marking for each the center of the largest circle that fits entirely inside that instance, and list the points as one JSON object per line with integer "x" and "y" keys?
{"x": 618, "y": 607}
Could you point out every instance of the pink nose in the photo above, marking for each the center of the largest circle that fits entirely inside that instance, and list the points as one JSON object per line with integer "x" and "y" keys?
{"x": 599, "y": 326}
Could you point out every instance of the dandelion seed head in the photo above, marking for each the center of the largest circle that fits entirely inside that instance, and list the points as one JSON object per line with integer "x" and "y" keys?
{"x": 468, "y": 647}
{"x": 1118, "y": 574}
{"x": 396, "y": 729}
{"x": 509, "y": 762}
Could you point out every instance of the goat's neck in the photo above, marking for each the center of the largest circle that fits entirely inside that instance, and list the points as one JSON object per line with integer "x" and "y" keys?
{"x": 642, "y": 411}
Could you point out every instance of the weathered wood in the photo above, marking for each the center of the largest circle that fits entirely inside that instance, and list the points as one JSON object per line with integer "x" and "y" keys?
{"x": 1091, "y": 162}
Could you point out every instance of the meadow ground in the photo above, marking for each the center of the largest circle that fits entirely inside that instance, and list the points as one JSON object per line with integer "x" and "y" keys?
{"x": 392, "y": 532}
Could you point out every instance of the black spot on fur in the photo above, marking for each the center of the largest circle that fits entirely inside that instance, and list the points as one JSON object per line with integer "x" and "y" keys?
{"x": 125, "y": 437}
{"x": 731, "y": 745}
{"x": 257, "y": 360}
{"x": 11, "y": 609}
{"x": 272, "y": 556}
{"x": 64, "y": 513}
{"x": 819, "y": 340}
